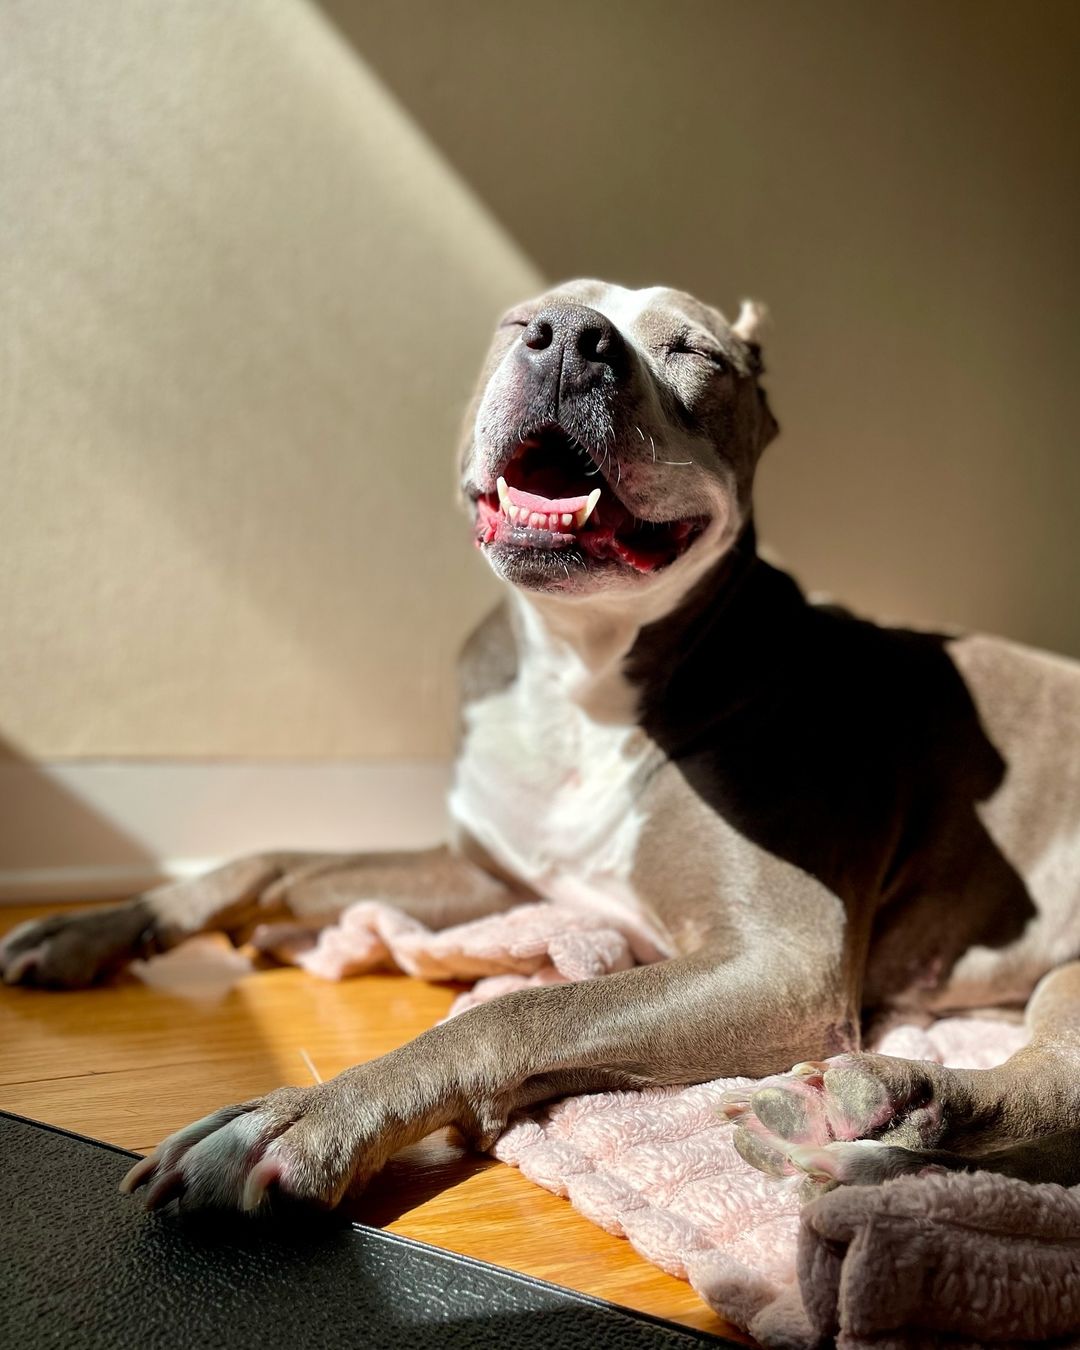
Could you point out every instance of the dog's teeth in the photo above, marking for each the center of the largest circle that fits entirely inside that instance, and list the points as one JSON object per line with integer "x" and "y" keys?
{"x": 580, "y": 517}
{"x": 525, "y": 517}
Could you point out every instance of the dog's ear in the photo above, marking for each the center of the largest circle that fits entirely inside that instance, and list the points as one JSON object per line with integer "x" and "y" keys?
{"x": 748, "y": 327}
{"x": 753, "y": 318}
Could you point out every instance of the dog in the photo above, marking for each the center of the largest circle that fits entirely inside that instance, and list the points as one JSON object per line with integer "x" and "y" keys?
{"x": 808, "y": 821}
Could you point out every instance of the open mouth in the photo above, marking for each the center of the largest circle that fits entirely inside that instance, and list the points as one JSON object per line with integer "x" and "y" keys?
{"x": 551, "y": 496}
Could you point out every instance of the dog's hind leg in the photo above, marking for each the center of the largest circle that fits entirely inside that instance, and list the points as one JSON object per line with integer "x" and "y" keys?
{"x": 864, "y": 1118}
{"x": 438, "y": 886}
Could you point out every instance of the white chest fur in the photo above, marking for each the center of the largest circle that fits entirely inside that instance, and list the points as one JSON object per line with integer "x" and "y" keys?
{"x": 552, "y": 790}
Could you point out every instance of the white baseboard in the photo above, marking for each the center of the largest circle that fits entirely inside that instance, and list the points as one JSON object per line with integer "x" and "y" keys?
{"x": 90, "y": 830}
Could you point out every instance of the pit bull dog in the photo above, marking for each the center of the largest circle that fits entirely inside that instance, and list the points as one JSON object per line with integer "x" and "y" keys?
{"x": 809, "y": 821}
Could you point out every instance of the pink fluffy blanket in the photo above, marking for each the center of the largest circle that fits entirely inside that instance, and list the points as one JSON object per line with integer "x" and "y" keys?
{"x": 921, "y": 1260}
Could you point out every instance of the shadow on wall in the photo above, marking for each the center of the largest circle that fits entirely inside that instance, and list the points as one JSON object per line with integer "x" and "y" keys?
{"x": 41, "y": 821}
{"x": 897, "y": 182}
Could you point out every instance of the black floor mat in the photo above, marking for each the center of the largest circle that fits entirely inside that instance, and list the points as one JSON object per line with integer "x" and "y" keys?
{"x": 82, "y": 1266}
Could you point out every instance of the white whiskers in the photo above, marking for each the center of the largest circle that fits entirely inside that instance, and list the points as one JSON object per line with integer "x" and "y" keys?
{"x": 310, "y": 1065}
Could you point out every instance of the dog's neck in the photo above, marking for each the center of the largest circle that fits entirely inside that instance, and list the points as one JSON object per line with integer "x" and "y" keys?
{"x": 580, "y": 648}
{"x": 736, "y": 638}
{"x": 576, "y": 650}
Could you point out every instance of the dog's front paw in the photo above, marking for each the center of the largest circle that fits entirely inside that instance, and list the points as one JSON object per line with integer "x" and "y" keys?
{"x": 297, "y": 1143}
{"x": 70, "y": 951}
{"x": 854, "y": 1119}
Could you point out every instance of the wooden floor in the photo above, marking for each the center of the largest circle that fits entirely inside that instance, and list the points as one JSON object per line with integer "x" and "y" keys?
{"x": 131, "y": 1062}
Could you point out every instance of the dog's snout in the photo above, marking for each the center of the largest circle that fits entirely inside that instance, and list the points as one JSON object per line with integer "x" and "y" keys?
{"x": 582, "y": 340}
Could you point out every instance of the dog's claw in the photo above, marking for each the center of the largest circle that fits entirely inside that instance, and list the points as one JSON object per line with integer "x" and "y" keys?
{"x": 809, "y": 1068}
{"x": 262, "y": 1176}
{"x": 815, "y": 1162}
{"x": 164, "y": 1188}
{"x": 138, "y": 1175}
{"x": 17, "y": 971}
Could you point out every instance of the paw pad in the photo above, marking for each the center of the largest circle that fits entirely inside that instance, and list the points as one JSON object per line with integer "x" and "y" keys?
{"x": 839, "y": 1120}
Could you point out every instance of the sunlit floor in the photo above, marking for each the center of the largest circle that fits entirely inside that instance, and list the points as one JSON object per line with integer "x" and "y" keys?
{"x": 131, "y": 1062}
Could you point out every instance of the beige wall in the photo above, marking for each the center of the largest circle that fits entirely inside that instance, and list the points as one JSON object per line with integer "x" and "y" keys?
{"x": 249, "y": 252}
{"x": 243, "y": 302}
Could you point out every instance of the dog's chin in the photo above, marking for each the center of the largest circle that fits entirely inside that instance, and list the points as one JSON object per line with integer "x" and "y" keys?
{"x": 564, "y": 571}
{"x": 586, "y": 563}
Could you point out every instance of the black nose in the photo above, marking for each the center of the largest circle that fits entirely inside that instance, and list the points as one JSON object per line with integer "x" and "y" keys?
{"x": 587, "y": 344}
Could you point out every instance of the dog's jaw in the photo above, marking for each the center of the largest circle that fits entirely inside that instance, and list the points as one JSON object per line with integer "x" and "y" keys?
{"x": 555, "y": 519}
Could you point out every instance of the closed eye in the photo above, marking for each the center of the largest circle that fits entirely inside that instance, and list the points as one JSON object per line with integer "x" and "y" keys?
{"x": 688, "y": 347}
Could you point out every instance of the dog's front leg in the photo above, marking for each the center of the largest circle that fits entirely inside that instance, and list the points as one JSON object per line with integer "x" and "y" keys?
{"x": 439, "y": 886}
{"x": 681, "y": 1021}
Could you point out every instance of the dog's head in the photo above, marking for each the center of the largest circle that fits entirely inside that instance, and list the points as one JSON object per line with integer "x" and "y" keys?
{"x": 613, "y": 438}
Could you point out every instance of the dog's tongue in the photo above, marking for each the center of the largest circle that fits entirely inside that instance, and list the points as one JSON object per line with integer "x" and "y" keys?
{"x": 546, "y": 506}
